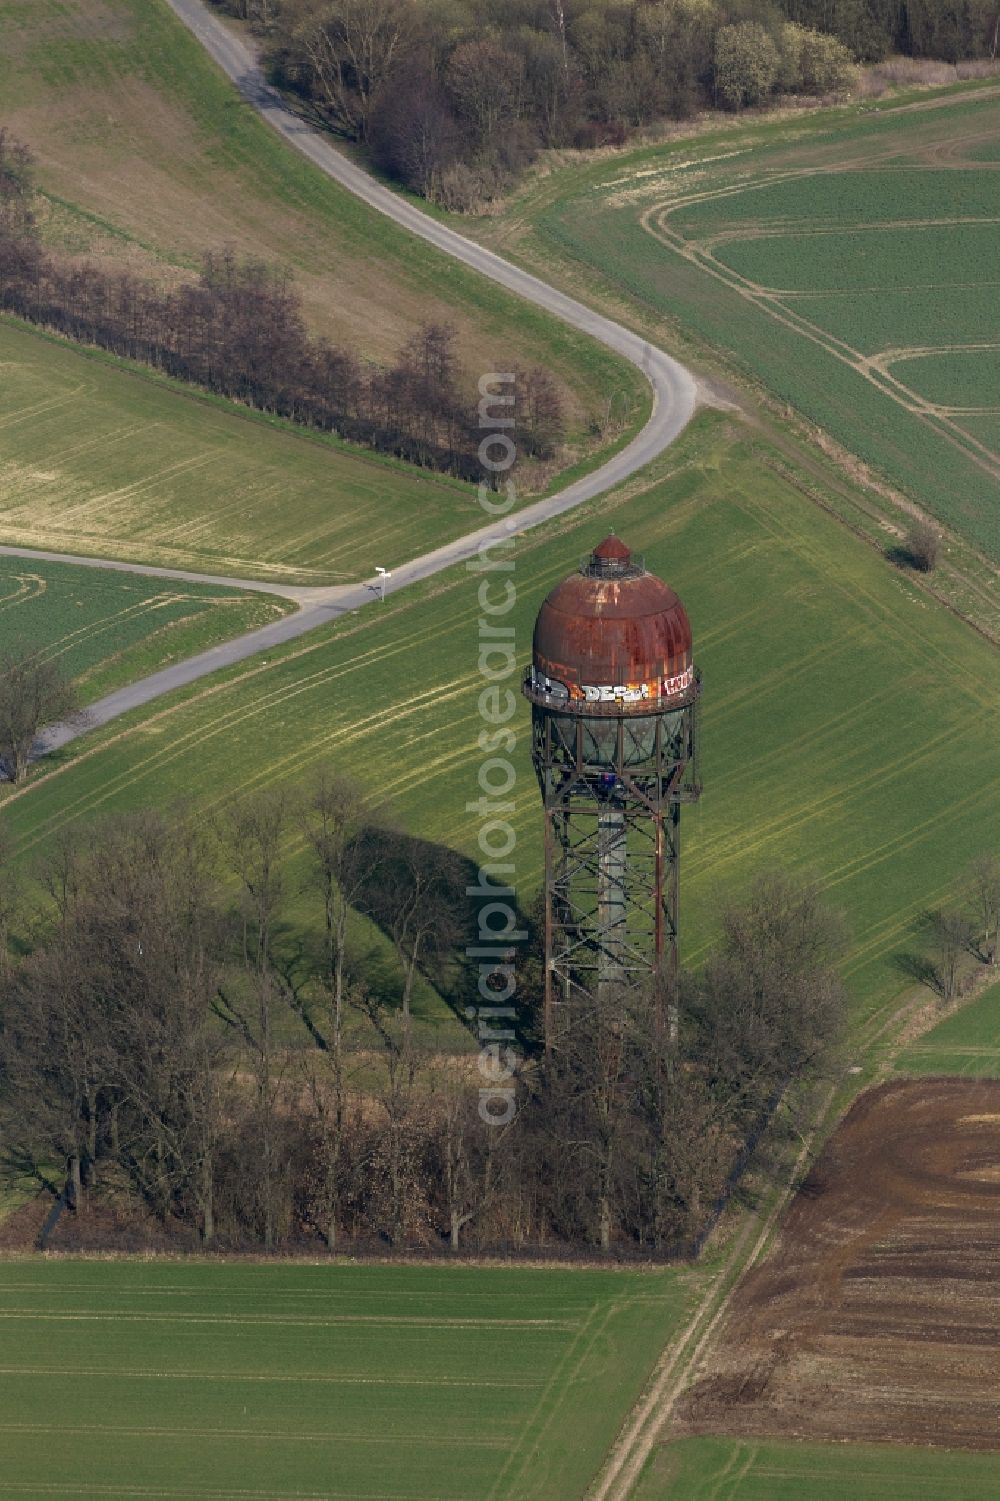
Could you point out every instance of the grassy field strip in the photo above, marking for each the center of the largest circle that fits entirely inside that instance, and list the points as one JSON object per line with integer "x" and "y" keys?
{"x": 107, "y": 629}
{"x": 625, "y": 1464}
{"x": 534, "y": 1430}
{"x": 797, "y": 817}
{"x": 251, "y": 497}
{"x": 234, "y": 717}
{"x": 721, "y": 1469}
{"x": 787, "y": 189}
{"x": 943, "y": 370}
{"x": 174, "y": 1317}
{"x": 770, "y": 297}
{"x": 435, "y": 1405}
{"x": 769, "y": 301}
{"x": 966, "y": 1042}
{"x": 140, "y": 612}
{"x": 27, "y": 586}
{"x": 148, "y": 157}
{"x": 161, "y": 1493}
{"x": 259, "y": 1435}
{"x": 140, "y": 1374}
{"x": 197, "y": 739}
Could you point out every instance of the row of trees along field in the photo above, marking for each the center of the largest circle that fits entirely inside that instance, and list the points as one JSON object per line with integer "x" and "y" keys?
{"x": 186, "y": 1060}
{"x": 454, "y": 97}
{"x": 239, "y": 330}
{"x": 186, "y": 1065}
{"x": 947, "y": 30}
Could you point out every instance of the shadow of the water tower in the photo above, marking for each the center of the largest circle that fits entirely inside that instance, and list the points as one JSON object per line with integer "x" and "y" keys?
{"x": 428, "y": 902}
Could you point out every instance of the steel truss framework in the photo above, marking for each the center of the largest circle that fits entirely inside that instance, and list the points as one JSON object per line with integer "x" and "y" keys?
{"x": 612, "y": 786}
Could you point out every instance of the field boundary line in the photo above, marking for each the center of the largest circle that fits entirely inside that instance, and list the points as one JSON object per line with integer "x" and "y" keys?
{"x": 275, "y": 1321}
{"x": 127, "y": 1373}
{"x": 253, "y": 1434}
{"x": 102, "y": 1492}
{"x": 630, "y": 1453}
{"x": 624, "y": 1470}
{"x": 770, "y": 300}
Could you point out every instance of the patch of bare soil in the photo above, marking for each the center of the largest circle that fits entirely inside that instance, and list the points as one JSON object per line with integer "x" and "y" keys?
{"x": 877, "y": 1314}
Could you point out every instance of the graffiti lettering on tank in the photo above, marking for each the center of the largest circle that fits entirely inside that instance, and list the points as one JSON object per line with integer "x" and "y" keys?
{"x": 611, "y": 693}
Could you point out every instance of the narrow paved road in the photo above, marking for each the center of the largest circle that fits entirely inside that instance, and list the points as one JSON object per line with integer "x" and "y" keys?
{"x": 673, "y": 386}
{"x": 674, "y": 399}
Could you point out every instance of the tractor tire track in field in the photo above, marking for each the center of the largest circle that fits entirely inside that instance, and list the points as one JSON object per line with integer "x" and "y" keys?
{"x": 648, "y": 1419}
{"x": 648, "y": 1423}
{"x": 674, "y": 400}
{"x": 774, "y": 300}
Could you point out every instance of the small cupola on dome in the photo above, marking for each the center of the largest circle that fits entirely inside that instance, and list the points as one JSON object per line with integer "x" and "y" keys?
{"x": 612, "y": 559}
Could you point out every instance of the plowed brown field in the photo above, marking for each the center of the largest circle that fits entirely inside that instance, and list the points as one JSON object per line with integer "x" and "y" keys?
{"x": 877, "y": 1314}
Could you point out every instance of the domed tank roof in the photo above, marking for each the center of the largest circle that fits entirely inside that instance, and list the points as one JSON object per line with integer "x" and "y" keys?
{"x": 612, "y": 548}
{"x": 612, "y": 634}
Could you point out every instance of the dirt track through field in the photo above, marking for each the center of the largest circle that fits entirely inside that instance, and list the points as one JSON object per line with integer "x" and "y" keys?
{"x": 779, "y": 303}
{"x": 877, "y": 1315}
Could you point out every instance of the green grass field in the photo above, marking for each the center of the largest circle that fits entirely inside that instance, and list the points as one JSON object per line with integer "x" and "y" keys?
{"x": 964, "y": 379}
{"x": 147, "y": 158}
{"x": 849, "y": 726}
{"x": 191, "y": 1379}
{"x": 724, "y": 1469}
{"x": 985, "y": 430}
{"x": 102, "y": 460}
{"x": 106, "y": 629}
{"x": 815, "y": 255}
{"x": 967, "y": 1042}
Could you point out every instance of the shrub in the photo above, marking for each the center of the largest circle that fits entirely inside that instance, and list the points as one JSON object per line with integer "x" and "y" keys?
{"x": 922, "y": 546}
{"x": 813, "y": 63}
{"x": 746, "y": 64}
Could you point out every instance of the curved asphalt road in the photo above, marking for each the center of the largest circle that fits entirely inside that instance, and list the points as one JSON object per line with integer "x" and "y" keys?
{"x": 674, "y": 398}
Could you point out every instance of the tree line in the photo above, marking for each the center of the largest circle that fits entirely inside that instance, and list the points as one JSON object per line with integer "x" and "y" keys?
{"x": 173, "y": 1043}
{"x": 946, "y": 30}
{"x": 454, "y": 99}
{"x": 178, "y": 1041}
{"x": 239, "y": 330}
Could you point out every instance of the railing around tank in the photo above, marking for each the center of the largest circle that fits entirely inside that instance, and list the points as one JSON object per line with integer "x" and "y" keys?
{"x": 632, "y": 567}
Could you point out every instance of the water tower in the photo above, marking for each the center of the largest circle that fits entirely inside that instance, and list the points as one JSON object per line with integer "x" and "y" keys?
{"x": 613, "y": 691}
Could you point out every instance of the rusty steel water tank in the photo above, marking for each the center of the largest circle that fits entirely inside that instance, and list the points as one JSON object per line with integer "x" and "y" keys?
{"x": 612, "y": 642}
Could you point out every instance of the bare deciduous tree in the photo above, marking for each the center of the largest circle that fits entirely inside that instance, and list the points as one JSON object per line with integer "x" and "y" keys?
{"x": 17, "y": 218}
{"x": 951, "y": 933}
{"x": 984, "y": 881}
{"x": 252, "y": 833}
{"x": 10, "y": 896}
{"x": 33, "y": 695}
{"x": 486, "y": 81}
{"x": 353, "y": 48}
{"x": 336, "y": 816}
{"x": 413, "y": 133}
{"x": 397, "y": 1185}
{"x": 922, "y": 545}
{"x": 464, "y": 1150}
